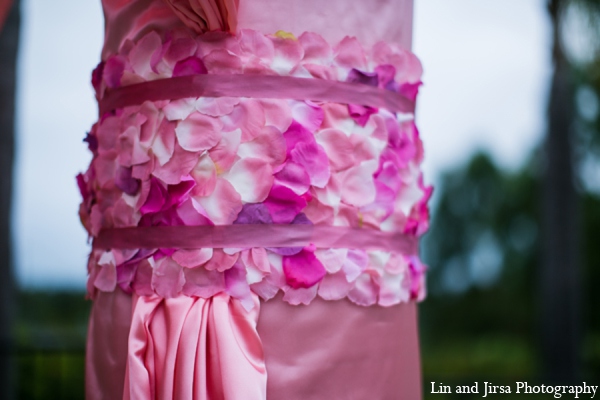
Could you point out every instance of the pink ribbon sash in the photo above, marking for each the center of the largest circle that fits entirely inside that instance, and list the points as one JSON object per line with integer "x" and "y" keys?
{"x": 255, "y": 86}
{"x": 255, "y": 235}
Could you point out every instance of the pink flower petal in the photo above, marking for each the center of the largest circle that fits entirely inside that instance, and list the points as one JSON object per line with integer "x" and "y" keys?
{"x": 106, "y": 279}
{"x": 205, "y": 175}
{"x": 179, "y": 109}
{"x": 164, "y": 144}
{"x": 338, "y": 147}
{"x": 252, "y": 178}
{"x": 300, "y": 295}
{"x": 168, "y": 278}
{"x": 356, "y": 262}
{"x": 221, "y": 261}
{"x": 202, "y": 283}
{"x": 350, "y": 54}
{"x": 142, "y": 283}
{"x": 216, "y": 106}
{"x": 313, "y": 158}
{"x": 222, "y": 62}
{"x": 358, "y": 187}
{"x": 247, "y": 115}
{"x": 332, "y": 259}
{"x": 190, "y": 216}
{"x": 294, "y": 177}
{"x": 192, "y": 258}
{"x": 142, "y": 53}
{"x": 224, "y": 153}
{"x": 198, "y": 132}
{"x": 303, "y": 270}
{"x": 365, "y": 291}
{"x": 269, "y": 145}
{"x": 307, "y": 114}
{"x": 334, "y": 286}
{"x": 316, "y": 49}
{"x": 288, "y": 54}
{"x": 177, "y": 167}
{"x": 277, "y": 113}
{"x": 223, "y": 204}
{"x": 284, "y": 204}
{"x": 256, "y": 44}
{"x": 237, "y": 286}
{"x": 390, "y": 290}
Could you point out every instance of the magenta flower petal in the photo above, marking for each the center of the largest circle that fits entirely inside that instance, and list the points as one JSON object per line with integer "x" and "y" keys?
{"x": 156, "y": 197}
{"x": 361, "y": 114}
{"x": 177, "y": 194}
{"x": 189, "y": 66}
{"x": 295, "y": 134}
{"x": 294, "y": 177}
{"x": 303, "y": 270}
{"x": 113, "y": 71}
{"x": 385, "y": 74}
{"x": 283, "y": 204}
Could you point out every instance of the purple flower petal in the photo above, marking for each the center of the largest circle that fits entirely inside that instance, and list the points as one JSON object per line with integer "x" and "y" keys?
{"x": 283, "y": 204}
{"x": 254, "y": 213}
{"x": 366, "y": 78}
{"x": 125, "y": 182}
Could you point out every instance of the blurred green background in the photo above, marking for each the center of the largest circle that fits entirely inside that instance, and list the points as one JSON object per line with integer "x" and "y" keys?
{"x": 513, "y": 256}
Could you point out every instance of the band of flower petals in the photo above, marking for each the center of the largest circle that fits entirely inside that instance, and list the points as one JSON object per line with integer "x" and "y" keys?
{"x": 199, "y": 161}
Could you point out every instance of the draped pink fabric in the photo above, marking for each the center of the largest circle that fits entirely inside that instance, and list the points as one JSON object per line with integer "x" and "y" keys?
{"x": 194, "y": 348}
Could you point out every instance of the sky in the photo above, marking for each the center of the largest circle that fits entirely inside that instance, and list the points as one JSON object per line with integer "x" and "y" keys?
{"x": 486, "y": 63}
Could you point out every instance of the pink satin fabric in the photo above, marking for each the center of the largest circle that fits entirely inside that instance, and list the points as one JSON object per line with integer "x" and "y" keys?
{"x": 328, "y": 350}
{"x": 335, "y": 350}
{"x": 255, "y": 235}
{"x": 255, "y": 86}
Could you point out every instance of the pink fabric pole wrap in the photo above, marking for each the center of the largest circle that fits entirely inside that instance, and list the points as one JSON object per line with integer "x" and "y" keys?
{"x": 255, "y": 235}
{"x": 255, "y": 86}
